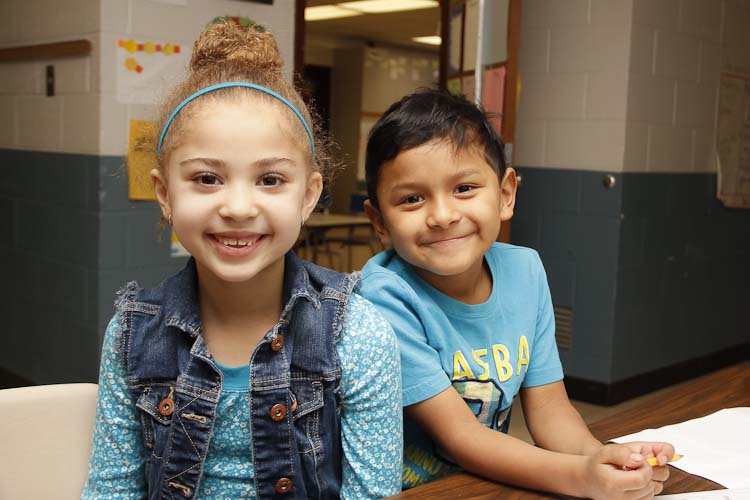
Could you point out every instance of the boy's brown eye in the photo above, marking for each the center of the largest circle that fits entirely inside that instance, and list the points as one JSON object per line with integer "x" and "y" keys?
{"x": 464, "y": 189}
{"x": 415, "y": 198}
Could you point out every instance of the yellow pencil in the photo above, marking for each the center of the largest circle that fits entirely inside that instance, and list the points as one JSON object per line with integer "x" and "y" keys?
{"x": 652, "y": 461}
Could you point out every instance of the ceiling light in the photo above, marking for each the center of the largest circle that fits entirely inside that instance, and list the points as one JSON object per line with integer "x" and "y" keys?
{"x": 428, "y": 40}
{"x": 381, "y": 6}
{"x": 323, "y": 12}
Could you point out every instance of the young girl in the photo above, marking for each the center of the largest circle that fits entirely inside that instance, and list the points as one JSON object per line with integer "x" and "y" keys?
{"x": 249, "y": 374}
{"x": 474, "y": 317}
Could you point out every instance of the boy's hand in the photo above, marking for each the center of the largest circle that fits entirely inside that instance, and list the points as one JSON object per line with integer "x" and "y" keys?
{"x": 620, "y": 472}
{"x": 662, "y": 451}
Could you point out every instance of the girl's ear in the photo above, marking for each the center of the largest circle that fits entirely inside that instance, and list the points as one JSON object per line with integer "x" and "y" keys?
{"x": 376, "y": 219}
{"x": 162, "y": 194}
{"x": 508, "y": 188}
{"x": 312, "y": 194}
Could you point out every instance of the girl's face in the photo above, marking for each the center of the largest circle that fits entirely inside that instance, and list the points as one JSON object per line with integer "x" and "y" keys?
{"x": 441, "y": 210}
{"x": 238, "y": 187}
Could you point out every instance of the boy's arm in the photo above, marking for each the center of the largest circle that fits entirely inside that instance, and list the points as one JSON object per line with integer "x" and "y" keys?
{"x": 570, "y": 434}
{"x": 549, "y": 403}
{"x": 500, "y": 457}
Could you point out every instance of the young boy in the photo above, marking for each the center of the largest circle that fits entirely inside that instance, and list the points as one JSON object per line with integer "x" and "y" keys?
{"x": 474, "y": 317}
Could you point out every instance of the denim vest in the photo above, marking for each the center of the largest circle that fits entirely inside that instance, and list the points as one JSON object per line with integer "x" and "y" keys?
{"x": 295, "y": 376}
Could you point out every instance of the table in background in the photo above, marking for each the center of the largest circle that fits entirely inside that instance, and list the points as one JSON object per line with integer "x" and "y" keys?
{"x": 697, "y": 398}
{"x": 318, "y": 224}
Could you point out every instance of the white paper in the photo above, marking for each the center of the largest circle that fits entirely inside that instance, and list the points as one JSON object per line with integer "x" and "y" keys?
{"x": 716, "y": 447}
{"x": 743, "y": 494}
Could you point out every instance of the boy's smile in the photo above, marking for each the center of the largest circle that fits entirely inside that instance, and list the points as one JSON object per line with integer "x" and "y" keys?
{"x": 441, "y": 210}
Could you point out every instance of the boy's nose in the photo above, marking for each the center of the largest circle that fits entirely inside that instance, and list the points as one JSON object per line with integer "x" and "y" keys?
{"x": 442, "y": 214}
{"x": 239, "y": 203}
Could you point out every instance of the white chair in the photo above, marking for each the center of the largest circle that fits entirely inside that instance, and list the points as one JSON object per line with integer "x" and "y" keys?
{"x": 45, "y": 440}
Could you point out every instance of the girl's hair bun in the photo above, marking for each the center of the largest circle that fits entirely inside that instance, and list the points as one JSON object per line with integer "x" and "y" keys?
{"x": 228, "y": 43}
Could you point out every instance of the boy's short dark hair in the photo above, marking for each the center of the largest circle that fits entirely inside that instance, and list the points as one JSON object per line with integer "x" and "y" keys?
{"x": 424, "y": 116}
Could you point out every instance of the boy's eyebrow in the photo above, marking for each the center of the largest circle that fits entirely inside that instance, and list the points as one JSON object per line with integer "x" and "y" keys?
{"x": 410, "y": 185}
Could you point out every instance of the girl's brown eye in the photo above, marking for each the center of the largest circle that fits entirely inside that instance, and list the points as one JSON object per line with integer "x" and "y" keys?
{"x": 207, "y": 179}
{"x": 271, "y": 180}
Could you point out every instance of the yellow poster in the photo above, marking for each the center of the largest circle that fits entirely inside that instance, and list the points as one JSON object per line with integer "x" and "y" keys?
{"x": 141, "y": 160}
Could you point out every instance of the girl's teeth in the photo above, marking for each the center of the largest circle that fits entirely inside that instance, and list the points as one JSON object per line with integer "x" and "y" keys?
{"x": 235, "y": 243}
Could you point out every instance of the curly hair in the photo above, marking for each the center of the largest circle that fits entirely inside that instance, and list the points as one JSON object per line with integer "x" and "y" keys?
{"x": 228, "y": 52}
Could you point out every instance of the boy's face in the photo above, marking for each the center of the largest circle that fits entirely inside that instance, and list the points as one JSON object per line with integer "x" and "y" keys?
{"x": 441, "y": 210}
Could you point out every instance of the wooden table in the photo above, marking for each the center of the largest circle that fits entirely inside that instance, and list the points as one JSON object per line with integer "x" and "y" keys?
{"x": 318, "y": 224}
{"x": 702, "y": 396}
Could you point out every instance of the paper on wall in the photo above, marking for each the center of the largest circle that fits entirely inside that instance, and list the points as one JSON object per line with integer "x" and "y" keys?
{"x": 145, "y": 67}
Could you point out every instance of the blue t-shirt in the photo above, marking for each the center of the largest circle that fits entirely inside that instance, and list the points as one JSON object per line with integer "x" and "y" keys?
{"x": 487, "y": 351}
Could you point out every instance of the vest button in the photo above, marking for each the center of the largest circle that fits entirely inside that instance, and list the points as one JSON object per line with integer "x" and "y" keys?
{"x": 284, "y": 485}
{"x": 278, "y": 342}
{"x": 278, "y": 412}
{"x": 166, "y": 407}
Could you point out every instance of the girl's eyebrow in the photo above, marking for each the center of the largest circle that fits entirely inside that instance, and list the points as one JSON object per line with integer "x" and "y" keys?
{"x": 211, "y": 162}
{"x": 216, "y": 163}
{"x": 267, "y": 162}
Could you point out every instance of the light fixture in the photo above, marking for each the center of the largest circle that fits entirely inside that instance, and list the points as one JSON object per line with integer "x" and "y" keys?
{"x": 323, "y": 12}
{"x": 428, "y": 40}
{"x": 381, "y": 6}
{"x": 350, "y": 9}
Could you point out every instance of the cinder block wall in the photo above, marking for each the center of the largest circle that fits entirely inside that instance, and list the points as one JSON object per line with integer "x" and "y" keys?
{"x": 70, "y": 236}
{"x": 48, "y": 195}
{"x": 653, "y": 268}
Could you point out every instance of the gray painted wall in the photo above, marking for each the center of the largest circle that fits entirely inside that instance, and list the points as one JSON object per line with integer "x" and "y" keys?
{"x": 655, "y": 269}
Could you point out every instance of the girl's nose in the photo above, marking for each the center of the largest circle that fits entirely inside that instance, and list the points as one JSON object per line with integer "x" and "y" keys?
{"x": 442, "y": 214}
{"x": 239, "y": 203}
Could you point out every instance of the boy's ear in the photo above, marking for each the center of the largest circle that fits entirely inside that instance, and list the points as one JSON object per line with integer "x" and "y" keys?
{"x": 376, "y": 219}
{"x": 508, "y": 187}
{"x": 162, "y": 193}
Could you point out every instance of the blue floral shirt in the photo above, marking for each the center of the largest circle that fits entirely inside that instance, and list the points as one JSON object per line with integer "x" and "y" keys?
{"x": 371, "y": 432}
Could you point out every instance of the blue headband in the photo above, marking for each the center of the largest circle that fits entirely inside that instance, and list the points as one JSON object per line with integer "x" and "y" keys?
{"x": 234, "y": 84}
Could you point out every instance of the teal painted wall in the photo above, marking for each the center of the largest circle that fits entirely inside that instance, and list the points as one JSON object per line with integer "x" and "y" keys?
{"x": 70, "y": 239}
{"x": 655, "y": 268}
